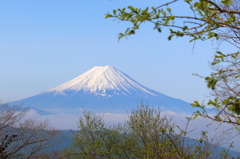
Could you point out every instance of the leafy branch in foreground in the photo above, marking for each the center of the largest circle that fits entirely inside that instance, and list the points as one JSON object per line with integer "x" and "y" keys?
{"x": 224, "y": 83}
{"x": 207, "y": 18}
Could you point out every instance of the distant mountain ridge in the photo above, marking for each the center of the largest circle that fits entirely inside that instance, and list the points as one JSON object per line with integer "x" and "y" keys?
{"x": 103, "y": 88}
{"x": 67, "y": 141}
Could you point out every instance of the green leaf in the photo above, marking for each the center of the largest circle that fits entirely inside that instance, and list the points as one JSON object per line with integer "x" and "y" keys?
{"x": 195, "y": 104}
{"x": 226, "y": 2}
{"x": 195, "y": 116}
{"x": 169, "y": 9}
{"x": 214, "y": 63}
{"x": 163, "y": 130}
{"x": 204, "y": 133}
{"x": 211, "y": 82}
{"x": 185, "y": 27}
{"x": 120, "y": 36}
{"x": 170, "y": 37}
{"x": 188, "y": 1}
{"x": 131, "y": 8}
{"x": 131, "y": 32}
{"x": 237, "y": 106}
{"x": 108, "y": 15}
{"x": 219, "y": 52}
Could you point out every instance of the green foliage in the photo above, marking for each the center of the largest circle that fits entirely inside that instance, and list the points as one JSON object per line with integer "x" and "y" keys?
{"x": 224, "y": 83}
{"x": 94, "y": 140}
{"x": 207, "y": 19}
{"x": 146, "y": 134}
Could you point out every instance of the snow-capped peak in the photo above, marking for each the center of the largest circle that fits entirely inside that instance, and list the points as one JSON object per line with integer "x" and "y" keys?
{"x": 105, "y": 81}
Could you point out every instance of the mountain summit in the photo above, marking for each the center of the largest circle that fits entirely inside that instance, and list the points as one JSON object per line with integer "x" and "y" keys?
{"x": 103, "y": 88}
{"x": 105, "y": 81}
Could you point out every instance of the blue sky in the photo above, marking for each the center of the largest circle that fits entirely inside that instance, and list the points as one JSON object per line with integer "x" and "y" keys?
{"x": 46, "y": 43}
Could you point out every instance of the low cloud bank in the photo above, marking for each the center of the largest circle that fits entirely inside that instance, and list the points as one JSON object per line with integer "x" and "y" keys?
{"x": 68, "y": 119}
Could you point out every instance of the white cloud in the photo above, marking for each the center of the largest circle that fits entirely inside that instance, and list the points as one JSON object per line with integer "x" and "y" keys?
{"x": 68, "y": 119}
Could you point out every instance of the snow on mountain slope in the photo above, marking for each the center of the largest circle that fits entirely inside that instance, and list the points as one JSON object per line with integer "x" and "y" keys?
{"x": 102, "y": 88}
{"x": 100, "y": 79}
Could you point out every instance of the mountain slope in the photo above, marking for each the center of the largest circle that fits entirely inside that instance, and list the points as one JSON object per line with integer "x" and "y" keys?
{"x": 104, "y": 81}
{"x": 103, "y": 88}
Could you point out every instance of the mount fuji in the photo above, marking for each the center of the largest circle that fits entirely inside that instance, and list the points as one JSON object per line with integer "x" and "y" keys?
{"x": 103, "y": 88}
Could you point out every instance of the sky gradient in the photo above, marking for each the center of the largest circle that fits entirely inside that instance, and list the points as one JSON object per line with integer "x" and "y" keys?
{"x": 46, "y": 43}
